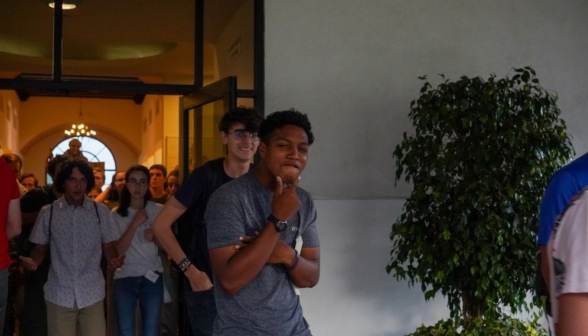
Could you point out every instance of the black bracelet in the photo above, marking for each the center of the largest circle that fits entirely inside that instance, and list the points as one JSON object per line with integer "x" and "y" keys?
{"x": 290, "y": 269}
{"x": 184, "y": 264}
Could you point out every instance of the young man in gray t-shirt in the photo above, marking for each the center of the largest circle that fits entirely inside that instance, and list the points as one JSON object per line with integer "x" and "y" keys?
{"x": 254, "y": 284}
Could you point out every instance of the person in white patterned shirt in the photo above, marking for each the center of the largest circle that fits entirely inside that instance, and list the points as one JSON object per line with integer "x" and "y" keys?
{"x": 78, "y": 231}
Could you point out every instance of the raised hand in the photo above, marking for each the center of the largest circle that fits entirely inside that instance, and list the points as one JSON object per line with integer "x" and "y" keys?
{"x": 285, "y": 202}
{"x": 140, "y": 217}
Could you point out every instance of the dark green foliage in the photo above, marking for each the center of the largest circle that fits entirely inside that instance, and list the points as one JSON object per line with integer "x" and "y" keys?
{"x": 500, "y": 326}
{"x": 481, "y": 156}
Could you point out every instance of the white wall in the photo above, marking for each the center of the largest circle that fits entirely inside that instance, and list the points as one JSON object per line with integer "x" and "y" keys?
{"x": 352, "y": 66}
{"x": 355, "y": 295}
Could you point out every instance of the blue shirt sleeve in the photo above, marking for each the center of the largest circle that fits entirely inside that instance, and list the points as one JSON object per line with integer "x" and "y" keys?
{"x": 560, "y": 190}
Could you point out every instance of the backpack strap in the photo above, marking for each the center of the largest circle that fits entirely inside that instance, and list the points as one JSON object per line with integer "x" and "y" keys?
{"x": 97, "y": 215}
{"x": 50, "y": 220}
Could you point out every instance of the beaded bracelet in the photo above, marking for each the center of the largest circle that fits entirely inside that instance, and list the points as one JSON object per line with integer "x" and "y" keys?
{"x": 184, "y": 264}
{"x": 290, "y": 269}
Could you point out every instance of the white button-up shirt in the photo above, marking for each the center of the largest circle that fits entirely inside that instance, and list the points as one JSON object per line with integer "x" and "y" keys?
{"x": 75, "y": 237}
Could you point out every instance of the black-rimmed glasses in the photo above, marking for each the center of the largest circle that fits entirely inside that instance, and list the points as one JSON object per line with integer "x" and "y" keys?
{"x": 242, "y": 135}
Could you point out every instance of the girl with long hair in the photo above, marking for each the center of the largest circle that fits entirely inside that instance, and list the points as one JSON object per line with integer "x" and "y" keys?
{"x": 111, "y": 195}
{"x": 140, "y": 277}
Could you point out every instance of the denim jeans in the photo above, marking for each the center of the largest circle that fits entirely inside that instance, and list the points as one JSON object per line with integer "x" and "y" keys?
{"x": 3, "y": 297}
{"x": 127, "y": 291}
{"x": 201, "y": 311}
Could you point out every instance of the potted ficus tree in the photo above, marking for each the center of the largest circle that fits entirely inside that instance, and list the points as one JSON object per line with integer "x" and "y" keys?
{"x": 480, "y": 157}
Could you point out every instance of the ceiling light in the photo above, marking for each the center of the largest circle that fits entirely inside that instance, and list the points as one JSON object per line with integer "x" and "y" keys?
{"x": 80, "y": 129}
{"x": 68, "y": 4}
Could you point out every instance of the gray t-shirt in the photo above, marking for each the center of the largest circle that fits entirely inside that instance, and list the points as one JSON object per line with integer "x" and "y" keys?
{"x": 268, "y": 305}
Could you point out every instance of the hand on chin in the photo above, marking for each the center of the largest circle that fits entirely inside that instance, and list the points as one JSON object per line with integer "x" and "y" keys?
{"x": 290, "y": 177}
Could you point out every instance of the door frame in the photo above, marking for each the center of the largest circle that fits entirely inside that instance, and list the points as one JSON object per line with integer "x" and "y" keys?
{"x": 225, "y": 90}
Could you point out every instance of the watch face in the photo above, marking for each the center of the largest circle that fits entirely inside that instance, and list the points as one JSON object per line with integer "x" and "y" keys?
{"x": 281, "y": 225}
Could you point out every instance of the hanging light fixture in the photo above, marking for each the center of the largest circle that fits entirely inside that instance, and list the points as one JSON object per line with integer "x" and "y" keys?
{"x": 80, "y": 129}
{"x": 66, "y": 5}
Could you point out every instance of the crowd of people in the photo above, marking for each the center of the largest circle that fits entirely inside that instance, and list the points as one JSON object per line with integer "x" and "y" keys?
{"x": 233, "y": 240}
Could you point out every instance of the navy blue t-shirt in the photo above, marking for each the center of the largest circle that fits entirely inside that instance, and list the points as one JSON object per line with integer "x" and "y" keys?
{"x": 194, "y": 194}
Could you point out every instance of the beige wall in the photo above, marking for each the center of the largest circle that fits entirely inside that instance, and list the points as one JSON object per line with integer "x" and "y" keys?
{"x": 43, "y": 120}
{"x": 34, "y": 158}
{"x": 9, "y": 122}
{"x": 171, "y": 131}
{"x": 41, "y": 116}
{"x": 151, "y": 130}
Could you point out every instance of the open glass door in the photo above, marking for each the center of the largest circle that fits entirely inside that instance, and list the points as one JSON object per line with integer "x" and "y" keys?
{"x": 200, "y": 114}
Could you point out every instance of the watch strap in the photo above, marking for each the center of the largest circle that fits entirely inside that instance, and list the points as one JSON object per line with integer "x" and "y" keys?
{"x": 273, "y": 219}
{"x": 280, "y": 225}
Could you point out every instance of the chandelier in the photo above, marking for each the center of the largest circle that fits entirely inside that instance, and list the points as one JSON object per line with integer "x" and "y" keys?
{"x": 80, "y": 129}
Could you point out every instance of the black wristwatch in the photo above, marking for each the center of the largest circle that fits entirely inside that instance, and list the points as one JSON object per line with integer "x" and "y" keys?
{"x": 280, "y": 225}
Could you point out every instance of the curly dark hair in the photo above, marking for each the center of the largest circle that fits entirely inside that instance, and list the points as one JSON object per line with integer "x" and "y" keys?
{"x": 57, "y": 160}
{"x": 280, "y": 119}
{"x": 246, "y": 116}
{"x": 66, "y": 170}
{"x": 125, "y": 194}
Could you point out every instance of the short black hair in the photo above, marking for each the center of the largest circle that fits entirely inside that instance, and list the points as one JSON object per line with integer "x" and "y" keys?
{"x": 57, "y": 160}
{"x": 246, "y": 116}
{"x": 66, "y": 171}
{"x": 280, "y": 119}
{"x": 159, "y": 167}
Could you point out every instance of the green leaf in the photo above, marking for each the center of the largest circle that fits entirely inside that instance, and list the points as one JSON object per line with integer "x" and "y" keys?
{"x": 440, "y": 276}
{"x": 525, "y": 77}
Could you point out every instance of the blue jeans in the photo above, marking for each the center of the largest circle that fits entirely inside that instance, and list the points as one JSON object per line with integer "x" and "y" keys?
{"x": 127, "y": 291}
{"x": 201, "y": 311}
{"x": 3, "y": 296}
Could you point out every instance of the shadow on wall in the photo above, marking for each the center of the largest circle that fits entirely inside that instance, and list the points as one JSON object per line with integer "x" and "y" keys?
{"x": 355, "y": 295}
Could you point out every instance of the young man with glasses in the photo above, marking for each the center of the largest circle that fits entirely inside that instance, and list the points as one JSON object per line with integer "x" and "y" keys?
{"x": 238, "y": 132}
{"x": 254, "y": 284}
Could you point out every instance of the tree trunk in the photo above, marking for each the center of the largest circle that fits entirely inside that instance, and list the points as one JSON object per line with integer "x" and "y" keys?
{"x": 472, "y": 307}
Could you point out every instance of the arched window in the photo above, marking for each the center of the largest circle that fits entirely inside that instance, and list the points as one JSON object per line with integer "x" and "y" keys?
{"x": 95, "y": 151}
